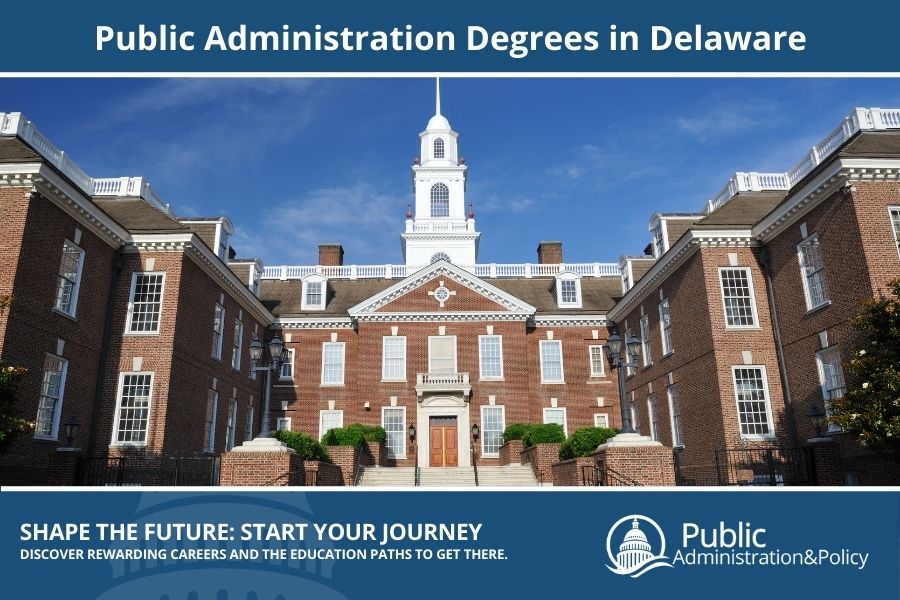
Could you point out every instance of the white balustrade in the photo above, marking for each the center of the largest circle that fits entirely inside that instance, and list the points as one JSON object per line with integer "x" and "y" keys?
{"x": 488, "y": 271}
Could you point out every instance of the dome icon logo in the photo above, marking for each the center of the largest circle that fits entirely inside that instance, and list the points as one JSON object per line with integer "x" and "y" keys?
{"x": 635, "y": 555}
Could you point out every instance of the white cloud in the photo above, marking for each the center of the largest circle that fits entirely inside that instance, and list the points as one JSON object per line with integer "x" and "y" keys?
{"x": 725, "y": 119}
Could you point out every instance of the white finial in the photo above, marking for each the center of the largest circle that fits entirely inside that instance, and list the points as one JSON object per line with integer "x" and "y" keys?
{"x": 437, "y": 96}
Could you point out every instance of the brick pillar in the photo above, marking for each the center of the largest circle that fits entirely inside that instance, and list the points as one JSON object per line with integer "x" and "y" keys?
{"x": 62, "y": 466}
{"x": 331, "y": 255}
{"x": 825, "y": 461}
{"x": 549, "y": 253}
{"x": 261, "y": 462}
{"x": 636, "y": 458}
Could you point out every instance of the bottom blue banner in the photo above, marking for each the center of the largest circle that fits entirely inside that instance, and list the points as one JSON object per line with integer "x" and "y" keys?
{"x": 229, "y": 545}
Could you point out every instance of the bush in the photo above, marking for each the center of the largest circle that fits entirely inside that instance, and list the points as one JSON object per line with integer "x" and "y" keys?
{"x": 543, "y": 433}
{"x": 354, "y": 435}
{"x": 514, "y": 431}
{"x": 307, "y": 447}
{"x": 584, "y": 441}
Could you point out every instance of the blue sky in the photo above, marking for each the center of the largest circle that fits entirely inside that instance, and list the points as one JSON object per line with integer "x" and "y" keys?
{"x": 295, "y": 162}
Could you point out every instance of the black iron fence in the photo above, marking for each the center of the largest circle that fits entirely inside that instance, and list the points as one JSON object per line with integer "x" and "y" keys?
{"x": 149, "y": 470}
{"x": 764, "y": 466}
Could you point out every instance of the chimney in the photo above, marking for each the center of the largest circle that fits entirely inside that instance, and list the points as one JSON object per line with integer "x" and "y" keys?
{"x": 331, "y": 255}
{"x": 549, "y": 253}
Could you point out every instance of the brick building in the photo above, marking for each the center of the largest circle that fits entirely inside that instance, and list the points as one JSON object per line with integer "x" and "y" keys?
{"x": 138, "y": 323}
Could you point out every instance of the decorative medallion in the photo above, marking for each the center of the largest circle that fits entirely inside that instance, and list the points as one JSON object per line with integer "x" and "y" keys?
{"x": 441, "y": 294}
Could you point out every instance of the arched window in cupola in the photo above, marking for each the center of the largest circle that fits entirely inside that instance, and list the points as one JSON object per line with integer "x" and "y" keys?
{"x": 440, "y": 201}
{"x": 439, "y": 256}
{"x": 439, "y": 148}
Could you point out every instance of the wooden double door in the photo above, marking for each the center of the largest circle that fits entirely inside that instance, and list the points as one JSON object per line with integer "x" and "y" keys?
{"x": 443, "y": 447}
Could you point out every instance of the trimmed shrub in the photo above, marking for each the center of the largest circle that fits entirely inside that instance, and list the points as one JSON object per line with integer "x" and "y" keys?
{"x": 354, "y": 435}
{"x": 584, "y": 441}
{"x": 307, "y": 447}
{"x": 543, "y": 433}
{"x": 514, "y": 431}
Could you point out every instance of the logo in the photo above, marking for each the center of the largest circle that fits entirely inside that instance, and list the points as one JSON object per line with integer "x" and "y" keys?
{"x": 635, "y": 555}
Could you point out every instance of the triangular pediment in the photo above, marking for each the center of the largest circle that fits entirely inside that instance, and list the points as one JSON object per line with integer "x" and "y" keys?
{"x": 442, "y": 288}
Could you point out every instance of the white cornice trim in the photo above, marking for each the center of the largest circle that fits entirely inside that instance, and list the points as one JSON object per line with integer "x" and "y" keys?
{"x": 289, "y": 322}
{"x": 448, "y": 316}
{"x": 570, "y": 320}
{"x": 368, "y": 307}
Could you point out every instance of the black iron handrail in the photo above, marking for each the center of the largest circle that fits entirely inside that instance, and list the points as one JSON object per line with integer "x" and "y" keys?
{"x": 416, "y": 482}
{"x": 475, "y": 465}
{"x": 358, "y": 474}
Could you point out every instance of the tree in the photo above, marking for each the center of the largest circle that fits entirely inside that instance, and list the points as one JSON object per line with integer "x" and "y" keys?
{"x": 871, "y": 407}
{"x": 11, "y": 424}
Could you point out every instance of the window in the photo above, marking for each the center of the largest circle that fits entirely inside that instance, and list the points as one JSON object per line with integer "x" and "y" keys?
{"x": 558, "y": 416}
{"x": 629, "y": 371}
{"x": 314, "y": 293}
{"x": 330, "y": 419}
{"x": 665, "y": 327}
{"x": 442, "y": 354}
{"x": 626, "y": 279}
{"x": 231, "y": 424}
{"x": 596, "y": 358}
{"x": 439, "y": 256}
{"x": 651, "y": 416}
{"x": 490, "y": 353}
{"x": 751, "y": 391}
{"x": 212, "y": 406}
{"x": 146, "y": 303}
{"x": 69, "y": 278}
{"x": 53, "y": 386}
{"x": 248, "y": 423}
{"x": 635, "y": 414}
{"x": 393, "y": 358}
{"x": 551, "y": 361}
{"x": 568, "y": 291}
{"x": 333, "y": 363}
{"x": 287, "y": 367}
{"x": 218, "y": 330}
{"x": 895, "y": 221}
{"x": 831, "y": 375}
{"x": 393, "y": 419}
{"x": 737, "y": 296}
{"x": 659, "y": 244}
{"x": 645, "y": 340}
{"x": 283, "y": 424}
{"x": 675, "y": 415}
{"x": 238, "y": 342}
{"x": 439, "y": 148}
{"x": 223, "y": 242}
{"x": 133, "y": 408}
{"x": 601, "y": 420}
{"x": 812, "y": 272}
{"x": 493, "y": 421}
{"x": 440, "y": 201}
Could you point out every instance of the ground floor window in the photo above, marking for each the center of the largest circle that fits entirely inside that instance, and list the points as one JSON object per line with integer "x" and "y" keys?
{"x": 283, "y": 424}
{"x": 675, "y": 413}
{"x": 493, "y": 421}
{"x": 50, "y": 405}
{"x": 231, "y": 424}
{"x": 132, "y": 416}
{"x": 330, "y": 419}
{"x": 558, "y": 416}
{"x": 248, "y": 425}
{"x": 393, "y": 419}
{"x": 212, "y": 404}
{"x": 751, "y": 391}
{"x": 601, "y": 420}
{"x": 831, "y": 375}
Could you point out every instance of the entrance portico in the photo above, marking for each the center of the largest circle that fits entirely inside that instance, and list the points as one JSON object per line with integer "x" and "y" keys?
{"x": 435, "y": 416}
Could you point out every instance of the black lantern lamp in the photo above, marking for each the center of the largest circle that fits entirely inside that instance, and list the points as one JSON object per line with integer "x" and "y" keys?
{"x": 256, "y": 349}
{"x": 816, "y": 418}
{"x": 412, "y": 432}
{"x": 72, "y": 426}
{"x": 476, "y": 431}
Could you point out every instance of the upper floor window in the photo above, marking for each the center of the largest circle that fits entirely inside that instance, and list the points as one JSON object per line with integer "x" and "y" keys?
{"x": 218, "y": 331}
{"x": 629, "y": 371}
{"x": 439, "y": 256}
{"x": 440, "y": 201}
{"x": 831, "y": 375}
{"x": 69, "y": 278}
{"x": 442, "y": 354}
{"x": 46, "y": 425}
{"x": 146, "y": 303}
{"x": 812, "y": 272}
{"x": 287, "y": 367}
{"x": 393, "y": 361}
{"x": 596, "y": 358}
{"x": 738, "y": 298}
{"x": 490, "y": 354}
{"x": 333, "y": 363}
{"x": 568, "y": 290}
{"x": 752, "y": 394}
{"x": 238, "y": 343}
{"x": 626, "y": 277}
{"x": 645, "y": 340}
{"x": 659, "y": 243}
{"x": 314, "y": 293}
{"x": 223, "y": 244}
{"x": 895, "y": 221}
{"x": 665, "y": 327}
{"x": 439, "y": 148}
{"x": 551, "y": 361}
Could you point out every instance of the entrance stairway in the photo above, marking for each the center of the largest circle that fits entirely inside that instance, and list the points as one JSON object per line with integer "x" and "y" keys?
{"x": 507, "y": 476}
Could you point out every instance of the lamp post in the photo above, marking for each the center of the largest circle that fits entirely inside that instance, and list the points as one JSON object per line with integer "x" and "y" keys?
{"x": 476, "y": 431}
{"x": 278, "y": 354}
{"x": 620, "y": 362}
{"x": 412, "y": 441}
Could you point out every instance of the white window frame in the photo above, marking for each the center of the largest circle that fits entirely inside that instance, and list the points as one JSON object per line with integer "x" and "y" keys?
{"x": 767, "y": 400}
{"x": 343, "y": 364}
{"x": 162, "y": 292}
{"x": 209, "y": 423}
{"x": 231, "y": 424}
{"x": 806, "y": 275}
{"x": 237, "y": 345}
{"x": 62, "y": 281}
{"x": 433, "y": 199}
{"x": 323, "y": 297}
{"x": 752, "y": 297}
{"x": 894, "y": 215}
{"x": 601, "y": 420}
{"x": 568, "y": 276}
{"x": 565, "y": 423}
{"x": 322, "y": 414}
{"x": 675, "y": 415}
{"x": 635, "y": 413}
{"x": 284, "y": 424}
{"x": 400, "y": 339}
{"x": 455, "y": 353}
{"x": 289, "y": 363}
{"x": 439, "y": 147}
{"x": 645, "y": 340}
{"x": 827, "y": 395}
{"x": 484, "y": 430}
{"x": 481, "y": 375}
{"x": 218, "y": 334}
{"x": 599, "y": 349}
{"x": 629, "y": 371}
{"x": 402, "y": 436}
{"x": 57, "y": 400}
{"x": 562, "y": 371}
{"x": 248, "y": 421}
{"x": 665, "y": 327}
{"x": 117, "y": 416}
{"x": 659, "y": 239}
{"x": 652, "y": 417}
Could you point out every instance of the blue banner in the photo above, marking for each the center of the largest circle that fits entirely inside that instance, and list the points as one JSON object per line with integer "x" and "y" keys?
{"x": 230, "y": 545}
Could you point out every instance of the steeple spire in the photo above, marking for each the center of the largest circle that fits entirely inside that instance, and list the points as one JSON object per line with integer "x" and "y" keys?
{"x": 438, "y": 121}
{"x": 437, "y": 96}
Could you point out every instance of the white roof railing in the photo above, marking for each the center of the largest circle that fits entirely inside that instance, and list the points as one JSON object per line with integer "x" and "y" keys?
{"x": 487, "y": 270}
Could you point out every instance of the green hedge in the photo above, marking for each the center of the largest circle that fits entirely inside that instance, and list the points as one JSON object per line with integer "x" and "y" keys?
{"x": 543, "y": 433}
{"x": 584, "y": 441}
{"x": 307, "y": 447}
{"x": 514, "y": 431}
{"x": 354, "y": 435}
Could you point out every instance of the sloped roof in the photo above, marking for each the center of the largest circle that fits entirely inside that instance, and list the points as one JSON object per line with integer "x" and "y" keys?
{"x": 744, "y": 210}
{"x": 135, "y": 214}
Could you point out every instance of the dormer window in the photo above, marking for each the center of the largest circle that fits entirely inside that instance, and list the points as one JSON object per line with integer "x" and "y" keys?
{"x": 568, "y": 290}
{"x": 659, "y": 242}
{"x": 439, "y": 148}
{"x": 440, "y": 201}
{"x": 315, "y": 291}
